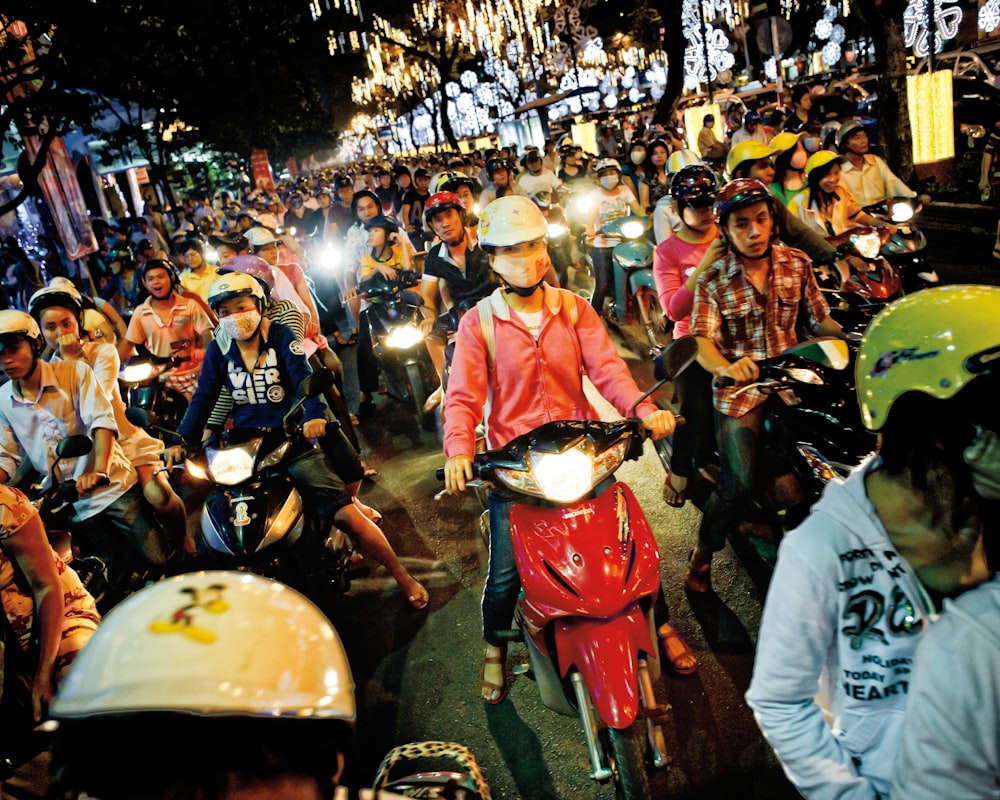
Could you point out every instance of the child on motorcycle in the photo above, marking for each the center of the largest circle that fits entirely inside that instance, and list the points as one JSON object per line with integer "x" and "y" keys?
{"x": 262, "y": 367}
{"x": 545, "y": 339}
{"x": 168, "y": 325}
{"x": 58, "y": 313}
{"x": 859, "y": 582}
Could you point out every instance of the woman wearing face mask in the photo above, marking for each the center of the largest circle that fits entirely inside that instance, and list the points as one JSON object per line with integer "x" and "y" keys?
{"x": 262, "y": 367}
{"x": 634, "y": 168}
{"x": 789, "y": 166}
{"x": 609, "y": 201}
{"x": 545, "y": 339}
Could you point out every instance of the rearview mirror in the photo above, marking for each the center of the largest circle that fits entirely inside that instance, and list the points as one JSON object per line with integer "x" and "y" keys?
{"x": 316, "y": 384}
{"x": 676, "y": 358}
{"x": 138, "y": 416}
{"x": 74, "y": 446}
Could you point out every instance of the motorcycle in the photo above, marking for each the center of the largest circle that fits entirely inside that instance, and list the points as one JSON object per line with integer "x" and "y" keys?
{"x": 143, "y": 385}
{"x": 590, "y": 571}
{"x": 906, "y": 249}
{"x": 394, "y": 318}
{"x": 467, "y": 782}
{"x": 633, "y": 276}
{"x": 253, "y": 516}
{"x": 558, "y": 241}
{"x": 855, "y": 297}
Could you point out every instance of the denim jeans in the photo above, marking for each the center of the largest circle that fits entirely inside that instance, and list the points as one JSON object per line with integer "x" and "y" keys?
{"x": 694, "y": 441}
{"x": 739, "y": 453}
{"x": 131, "y": 518}
{"x": 603, "y": 276}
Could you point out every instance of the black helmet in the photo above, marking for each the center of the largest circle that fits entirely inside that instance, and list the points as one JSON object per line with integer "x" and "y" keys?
{"x": 159, "y": 263}
{"x": 384, "y": 223}
{"x": 497, "y": 164}
{"x": 739, "y": 194}
{"x": 695, "y": 186}
{"x": 123, "y": 255}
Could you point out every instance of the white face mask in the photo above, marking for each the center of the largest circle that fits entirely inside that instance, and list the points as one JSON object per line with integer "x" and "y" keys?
{"x": 638, "y": 156}
{"x": 241, "y": 325}
{"x": 609, "y": 182}
{"x": 522, "y": 271}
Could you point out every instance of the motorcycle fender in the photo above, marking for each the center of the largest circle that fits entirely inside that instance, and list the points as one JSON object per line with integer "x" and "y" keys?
{"x": 641, "y": 278}
{"x": 249, "y": 519}
{"x": 606, "y": 653}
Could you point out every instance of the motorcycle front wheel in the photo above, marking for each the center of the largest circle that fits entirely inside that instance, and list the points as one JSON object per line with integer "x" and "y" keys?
{"x": 626, "y": 752}
{"x": 419, "y": 395}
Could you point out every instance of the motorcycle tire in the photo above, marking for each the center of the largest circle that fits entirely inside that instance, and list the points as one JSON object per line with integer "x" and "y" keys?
{"x": 418, "y": 395}
{"x": 626, "y": 752}
{"x": 659, "y": 333}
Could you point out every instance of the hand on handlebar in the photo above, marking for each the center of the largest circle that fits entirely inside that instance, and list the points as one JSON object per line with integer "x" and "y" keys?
{"x": 174, "y": 455}
{"x": 457, "y": 471}
{"x": 427, "y": 325}
{"x": 386, "y": 272}
{"x": 659, "y": 424}
{"x": 738, "y": 372}
{"x": 89, "y": 481}
{"x": 314, "y": 428}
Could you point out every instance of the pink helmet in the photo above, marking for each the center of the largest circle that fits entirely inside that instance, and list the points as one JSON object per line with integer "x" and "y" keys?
{"x": 252, "y": 265}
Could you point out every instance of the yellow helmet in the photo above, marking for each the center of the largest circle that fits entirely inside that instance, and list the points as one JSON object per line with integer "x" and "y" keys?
{"x": 211, "y": 644}
{"x": 750, "y": 150}
{"x": 935, "y": 341}
{"x": 783, "y": 141}
{"x": 820, "y": 159}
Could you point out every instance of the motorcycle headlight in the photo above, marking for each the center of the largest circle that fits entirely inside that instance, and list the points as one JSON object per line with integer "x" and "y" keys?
{"x": 136, "y": 373}
{"x": 632, "y": 229}
{"x": 329, "y": 259}
{"x": 902, "y": 211}
{"x": 803, "y": 375}
{"x": 275, "y": 455}
{"x": 195, "y": 470}
{"x": 556, "y": 230}
{"x": 867, "y": 244}
{"x": 404, "y": 337}
{"x": 233, "y": 465}
{"x": 567, "y": 476}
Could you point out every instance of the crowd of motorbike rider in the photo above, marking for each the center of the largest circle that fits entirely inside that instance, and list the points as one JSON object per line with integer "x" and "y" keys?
{"x": 236, "y": 288}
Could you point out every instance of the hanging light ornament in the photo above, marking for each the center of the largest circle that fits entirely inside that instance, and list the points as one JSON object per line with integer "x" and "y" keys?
{"x": 696, "y": 70}
{"x": 989, "y": 16}
{"x": 833, "y": 35}
{"x": 915, "y": 33}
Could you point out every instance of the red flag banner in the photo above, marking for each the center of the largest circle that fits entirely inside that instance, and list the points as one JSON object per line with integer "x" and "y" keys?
{"x": 263, "y": 178}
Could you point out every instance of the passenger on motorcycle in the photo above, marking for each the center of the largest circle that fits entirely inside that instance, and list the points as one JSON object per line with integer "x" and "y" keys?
{"x": 43, "y": 403}
{"x": 461, "y": 184}
{"x": 198, "y": 275}
{"x": 859, "y": 582}
{"x": 502, "y": 183}
{"x": 59, "y": 313}
{"x": 168, "y": 325}
{"x": 544, "y": 341}
{"x": 456, "y": 273}
{"x": 262, "y": 368}
{"x": 865, "y": 175}
{"x": 678, "y": 263}
{"x": 747, "y": 307}
{"x": 536, "y": 178}
{"x": 246, "y": 666}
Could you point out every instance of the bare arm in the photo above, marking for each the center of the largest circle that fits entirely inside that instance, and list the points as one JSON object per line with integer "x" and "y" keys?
{"x": 113, "y": 316}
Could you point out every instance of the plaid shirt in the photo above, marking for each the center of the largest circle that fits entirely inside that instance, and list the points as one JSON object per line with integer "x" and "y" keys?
{"x": 741, "y": 321}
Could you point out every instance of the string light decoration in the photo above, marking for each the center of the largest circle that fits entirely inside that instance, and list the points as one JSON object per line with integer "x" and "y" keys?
{"x": 832, "y": 34}
{"x": 989, "y": 16}
{"x": 932, "y": 122}
{"x": 707, "y": 52}
{"x": 915, "y": 33}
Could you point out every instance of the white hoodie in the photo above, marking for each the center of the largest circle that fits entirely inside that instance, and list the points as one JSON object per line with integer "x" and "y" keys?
{"x": 841, "y": 622}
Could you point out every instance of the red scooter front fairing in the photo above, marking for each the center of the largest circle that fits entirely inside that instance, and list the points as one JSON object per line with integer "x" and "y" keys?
{"x": 586, "y": 567}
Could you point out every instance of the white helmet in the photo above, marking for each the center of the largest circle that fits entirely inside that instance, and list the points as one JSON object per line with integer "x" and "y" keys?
{"x": 607, "y": 163}
{"x": 511, "y": 220}
{"x": 235, "y": 284}
{"x": 676, "y": 161}
{"x": 20, "y": 323}
{"x": 212, "y": 644}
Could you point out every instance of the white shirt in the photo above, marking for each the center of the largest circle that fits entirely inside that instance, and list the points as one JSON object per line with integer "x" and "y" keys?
{"x": 70, "y": 401}
{"x": 544, "y": 181}
{"x": 873, "y": 182}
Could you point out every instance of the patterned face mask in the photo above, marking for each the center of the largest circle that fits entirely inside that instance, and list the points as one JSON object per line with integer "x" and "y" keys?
{"x": 242, "y": 325}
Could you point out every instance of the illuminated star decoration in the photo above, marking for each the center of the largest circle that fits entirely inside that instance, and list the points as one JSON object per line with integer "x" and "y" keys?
{"x": 696, "y": 71}
{"x": 989, "y": 16}
{"x": 915, "y": 33}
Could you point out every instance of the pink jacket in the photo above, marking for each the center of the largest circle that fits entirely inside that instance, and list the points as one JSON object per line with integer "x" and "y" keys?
{"x": 538, "y": 381}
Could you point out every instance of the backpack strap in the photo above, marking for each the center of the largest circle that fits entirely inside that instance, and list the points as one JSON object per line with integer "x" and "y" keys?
{"x": 486, "y": 326}
{"x": 569, "y": 309}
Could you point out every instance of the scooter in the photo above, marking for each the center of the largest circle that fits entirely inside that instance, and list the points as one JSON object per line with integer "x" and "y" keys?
{"x": 143, "y": 385}
{"x": 633, "y": 276}
{"x": 859, "y": 296}
{"x": 463, "y": 780}
{"x": 394, "y": 319}
{"x": 907, "y": 248}
{"x": 590, "y": 571}
{"x": 253, "y": 517}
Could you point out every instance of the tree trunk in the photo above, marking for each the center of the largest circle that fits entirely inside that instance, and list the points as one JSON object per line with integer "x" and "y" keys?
{"x": 674, "y": 45}
{"x": 884, "y": 20}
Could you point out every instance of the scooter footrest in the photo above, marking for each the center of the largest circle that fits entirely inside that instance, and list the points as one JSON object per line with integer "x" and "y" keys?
{"x": 658, "y": 714}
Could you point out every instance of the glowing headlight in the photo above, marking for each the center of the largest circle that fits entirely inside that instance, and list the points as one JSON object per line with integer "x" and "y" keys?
{"x": 329, "y": 259}
{"x": 404, "y": 337}
{"x": 632, "y": 229}
{"x": 275, "y": 455}
{"x": 803, "y": 375}
{"x": 195, "y": 471}
{"x": 556, "y": 230}
{"x": 232, "y": 465}
{"x": 867, "y": 244}
{"x": 902, "y": 212}
{"x": 136, "y": 373}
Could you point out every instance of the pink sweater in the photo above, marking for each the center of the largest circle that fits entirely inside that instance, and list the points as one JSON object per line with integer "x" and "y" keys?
{"x": 532, "y": 382}
{"x": 673, "y": 262}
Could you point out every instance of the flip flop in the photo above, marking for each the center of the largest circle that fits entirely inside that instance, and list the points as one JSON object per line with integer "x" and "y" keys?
{"x": 674, "y": 649}
{"x": 418, "y": 602}
{"x": 671, "y": 496}
{"x": 489, "y": 687}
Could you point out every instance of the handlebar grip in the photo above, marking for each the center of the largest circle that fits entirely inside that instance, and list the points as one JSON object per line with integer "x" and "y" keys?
{"x": 723, "y": 381}
{"x": 439, "y": 473}
{"x": 105, "y": 481}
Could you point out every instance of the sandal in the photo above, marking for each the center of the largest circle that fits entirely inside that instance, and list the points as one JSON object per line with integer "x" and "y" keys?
{"x": 676, "y": 650}
{"x": 342, "y": 342}
{"x": 672, "y": 496}
{"x": 487, "y": 689}
{"x": 698, "y": 579}
{"x": 419, "y": 601}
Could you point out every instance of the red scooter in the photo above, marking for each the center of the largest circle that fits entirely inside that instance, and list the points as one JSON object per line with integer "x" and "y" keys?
{"x": 590, "y": 571}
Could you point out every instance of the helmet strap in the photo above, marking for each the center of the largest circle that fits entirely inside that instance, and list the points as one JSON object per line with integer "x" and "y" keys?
{"x": 520, "y": 291}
